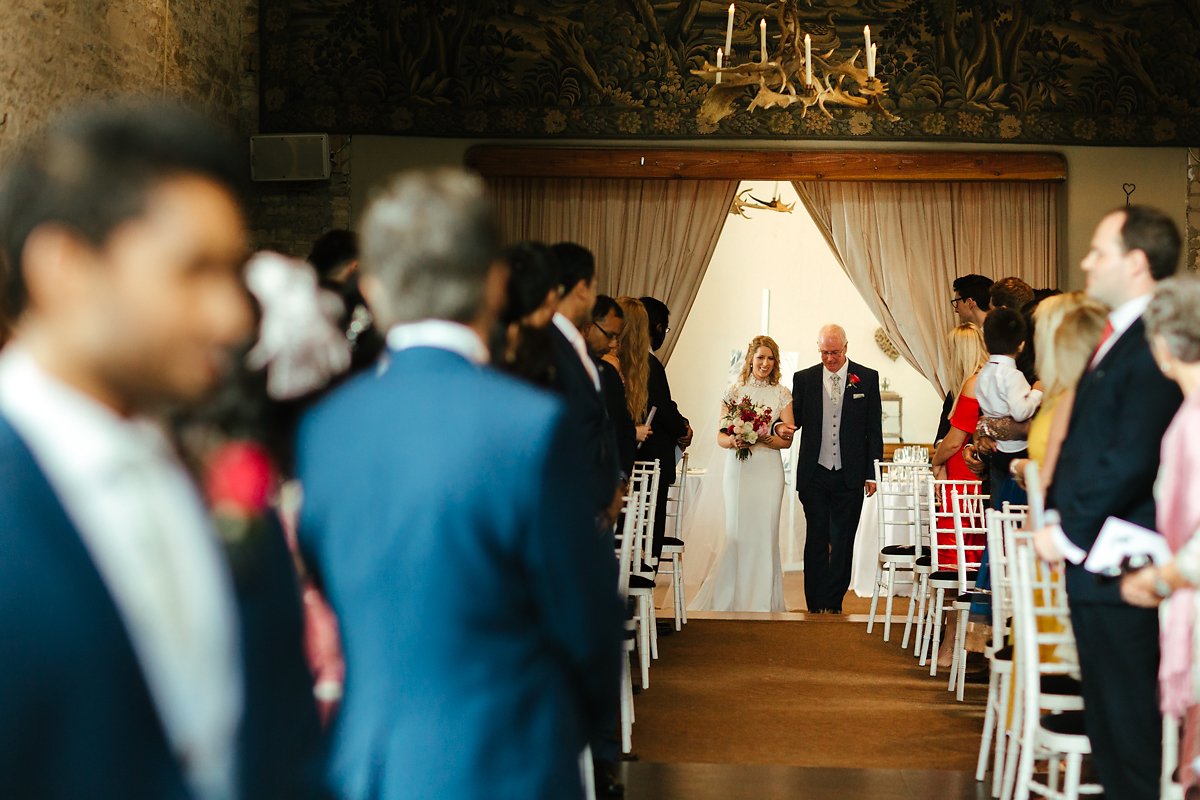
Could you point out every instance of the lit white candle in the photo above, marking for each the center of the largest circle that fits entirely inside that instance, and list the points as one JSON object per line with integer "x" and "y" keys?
{"x": 729, "y": 32}
{"x": 807, "y": 60}
{"x": 762, "y": 38}
{"x": 867, "y": 36}
{"x": 720, "y": 58}
{"x": 871, "y": 62}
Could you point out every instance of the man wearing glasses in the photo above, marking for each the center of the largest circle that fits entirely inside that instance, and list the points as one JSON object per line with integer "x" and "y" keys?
{"x": 837, "y": 407}
{"x": 601, "y": 334}
{"x": 970, "y": 300}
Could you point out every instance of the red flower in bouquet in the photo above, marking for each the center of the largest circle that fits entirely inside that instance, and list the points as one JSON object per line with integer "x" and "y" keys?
{"x": 746, "y": 423}
{"x": 853, "y": 379}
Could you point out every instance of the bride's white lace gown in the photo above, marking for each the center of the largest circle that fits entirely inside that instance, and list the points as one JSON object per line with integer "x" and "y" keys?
{"x": 748, "y": 574}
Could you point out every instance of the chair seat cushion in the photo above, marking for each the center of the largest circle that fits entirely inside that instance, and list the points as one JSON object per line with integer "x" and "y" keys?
{"x": 925, "y": 561}
{"x": 972, "y": 595}
{"x": 1004, "y": 653}
{"x": 1069, "y": 723}
{"x": 952, "y": 575}
{"x": 1060, "y": 685}
{"x": 672, "y": 541}
{"x": 899, "y": 550}
{"x": 640, "y": 582}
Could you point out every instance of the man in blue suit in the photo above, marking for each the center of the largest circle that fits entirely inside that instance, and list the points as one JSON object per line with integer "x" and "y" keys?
{"x": 131, "y": 665}
{"x": 446, "y": 516}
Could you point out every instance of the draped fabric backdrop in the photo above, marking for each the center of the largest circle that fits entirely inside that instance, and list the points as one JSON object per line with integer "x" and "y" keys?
{"x": 903, "y": 244}
{"x": 650, "y": 237}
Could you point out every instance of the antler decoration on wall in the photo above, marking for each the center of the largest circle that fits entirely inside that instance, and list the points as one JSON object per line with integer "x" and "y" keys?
{"x": 800, "y": 59}
{"x": 740, "y": 205}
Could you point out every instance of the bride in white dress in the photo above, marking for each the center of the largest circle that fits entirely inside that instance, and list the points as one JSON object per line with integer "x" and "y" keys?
{"x": 748, "y": 575}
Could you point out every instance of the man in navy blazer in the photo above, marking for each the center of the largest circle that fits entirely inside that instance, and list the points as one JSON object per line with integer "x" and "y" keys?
{"x": 131, "y": 665}
{"x": 1107, "y": 467}
{"x": 448, "y": 521}
{"x": 839, "y": 413}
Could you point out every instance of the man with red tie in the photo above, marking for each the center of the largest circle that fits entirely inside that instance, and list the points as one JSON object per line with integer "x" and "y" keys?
{"x": 1107, "y": 468}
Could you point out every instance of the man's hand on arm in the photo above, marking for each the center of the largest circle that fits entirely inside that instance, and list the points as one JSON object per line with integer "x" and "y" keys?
{"x": 870, "y": 488}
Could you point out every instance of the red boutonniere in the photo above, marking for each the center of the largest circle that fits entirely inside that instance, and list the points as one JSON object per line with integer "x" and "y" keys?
{"x": 238, "y": 483}
{"x": 854, "y": 379}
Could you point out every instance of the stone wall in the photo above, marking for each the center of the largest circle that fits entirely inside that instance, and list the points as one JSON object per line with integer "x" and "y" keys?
{"x": 56, "y": 53}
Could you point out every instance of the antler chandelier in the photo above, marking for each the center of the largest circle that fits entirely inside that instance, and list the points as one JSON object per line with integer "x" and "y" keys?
{"x": 804, "y": 70}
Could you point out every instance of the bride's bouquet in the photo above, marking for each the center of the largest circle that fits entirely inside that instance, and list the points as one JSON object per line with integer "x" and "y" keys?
{"x": 746, "y": 422}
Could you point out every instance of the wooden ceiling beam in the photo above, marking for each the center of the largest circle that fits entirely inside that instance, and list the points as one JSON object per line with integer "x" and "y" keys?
{"x": 828, "y": 165}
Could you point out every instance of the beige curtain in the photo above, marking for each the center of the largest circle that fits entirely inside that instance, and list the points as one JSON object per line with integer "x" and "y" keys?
{"x": 650, "y": 237}
{"x": 903, "y": 244}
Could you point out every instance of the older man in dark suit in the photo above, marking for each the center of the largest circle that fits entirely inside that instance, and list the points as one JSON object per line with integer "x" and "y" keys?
{"x": 1107, "y": 468}
{"x": 840, "y": 416}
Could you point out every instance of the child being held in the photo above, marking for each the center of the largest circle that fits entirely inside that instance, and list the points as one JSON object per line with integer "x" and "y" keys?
{"x": 1002, "y": 390}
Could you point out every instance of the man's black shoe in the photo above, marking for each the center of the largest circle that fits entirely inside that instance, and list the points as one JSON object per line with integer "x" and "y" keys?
{"x": 665, "y": 628}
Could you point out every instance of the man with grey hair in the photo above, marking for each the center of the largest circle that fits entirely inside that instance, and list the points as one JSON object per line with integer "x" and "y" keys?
{"x": 437, "y": 472}
{"x": 838, "y": 410}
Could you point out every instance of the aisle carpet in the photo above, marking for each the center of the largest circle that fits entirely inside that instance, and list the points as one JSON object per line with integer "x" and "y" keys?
{"x": 819, "y": 693}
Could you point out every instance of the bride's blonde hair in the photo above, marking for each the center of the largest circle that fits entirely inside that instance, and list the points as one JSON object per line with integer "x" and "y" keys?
{"x": 633, "y": 352}
{"x": 755, "y": 343}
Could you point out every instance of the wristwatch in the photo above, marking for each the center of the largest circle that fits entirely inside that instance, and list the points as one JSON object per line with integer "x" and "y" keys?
{"x": 1161, "y": 588}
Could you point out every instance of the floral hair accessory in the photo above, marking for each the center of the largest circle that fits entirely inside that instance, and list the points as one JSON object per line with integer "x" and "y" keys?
{"x": 299, "y": 342}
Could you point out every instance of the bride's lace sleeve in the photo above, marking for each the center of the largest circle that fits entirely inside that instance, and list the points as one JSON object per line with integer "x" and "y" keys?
{"x": 785, "y": 397}
{"x": 732, "y": 395}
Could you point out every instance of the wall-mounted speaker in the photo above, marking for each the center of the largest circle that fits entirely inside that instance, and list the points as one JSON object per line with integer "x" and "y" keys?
{"x": 290, "y": 157}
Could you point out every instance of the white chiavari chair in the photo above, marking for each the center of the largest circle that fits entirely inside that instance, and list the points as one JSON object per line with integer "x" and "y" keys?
{"x": 1059, "y": 735}
{"x": 624, "y": 548}
{"x": 970, "y": 541}
{"x": 671, "y": 561}
{"x": 944, "y": 576}
{"x": 897, "y": 506}
{"x": 641, "y": 580}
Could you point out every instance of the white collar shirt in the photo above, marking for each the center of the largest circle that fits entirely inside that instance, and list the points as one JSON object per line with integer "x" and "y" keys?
{"x": 146, "y": 528}
{"x": 568, "y": 329}
{"x": 1121, "y": 318}
{"x": 441, "y": 334}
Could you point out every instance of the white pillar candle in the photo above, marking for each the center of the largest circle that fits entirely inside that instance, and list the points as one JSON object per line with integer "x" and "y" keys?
{"x": 762, "y": 31}
{"x": 720, "y": 58}
{"x": 871, "y": 65}
{"x": 729, "y": 32}
{"x": 807, "y": 60}
{"x": 867, "y": 36}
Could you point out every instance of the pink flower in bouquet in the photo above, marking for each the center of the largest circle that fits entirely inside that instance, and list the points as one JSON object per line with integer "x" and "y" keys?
{"x": 746, "y": 423}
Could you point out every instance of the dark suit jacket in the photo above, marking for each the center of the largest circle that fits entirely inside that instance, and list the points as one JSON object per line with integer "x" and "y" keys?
{"x": 76, "y": 716}
{"x": 589, "y": 422}
{"x": 668, "y": 426}
{"x": 1110, "y": 457}
{"x": 861, "y": 424}
{"x": 476, "y": 599}
{"x": 613, "y": 390}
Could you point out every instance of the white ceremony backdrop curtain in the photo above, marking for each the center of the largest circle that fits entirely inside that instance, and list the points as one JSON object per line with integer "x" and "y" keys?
{"x": 903, "y": 244}
{"x": 650, "y": 237}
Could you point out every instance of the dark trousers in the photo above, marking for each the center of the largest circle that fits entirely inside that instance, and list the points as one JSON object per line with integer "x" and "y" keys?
{"x": 660, "y": 517}
{"x": 1000, "y": 477}
{"x": 1118, "y": 660}
{"x": 831, "y": 511}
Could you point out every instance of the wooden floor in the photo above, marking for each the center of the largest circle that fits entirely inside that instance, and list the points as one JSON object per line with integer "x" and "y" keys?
{"x": 644, "y": 781}
{"x": 751, "y": 712}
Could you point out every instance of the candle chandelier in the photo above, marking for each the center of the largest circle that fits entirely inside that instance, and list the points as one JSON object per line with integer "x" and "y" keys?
{"x": 804, "y": 70}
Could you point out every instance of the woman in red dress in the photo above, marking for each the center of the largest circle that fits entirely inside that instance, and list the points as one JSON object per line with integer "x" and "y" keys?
{"x": 968, "y": 354}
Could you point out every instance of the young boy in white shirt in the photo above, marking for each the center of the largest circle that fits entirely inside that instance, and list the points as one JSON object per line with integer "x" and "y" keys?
{"x": 1003, "y": 391}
